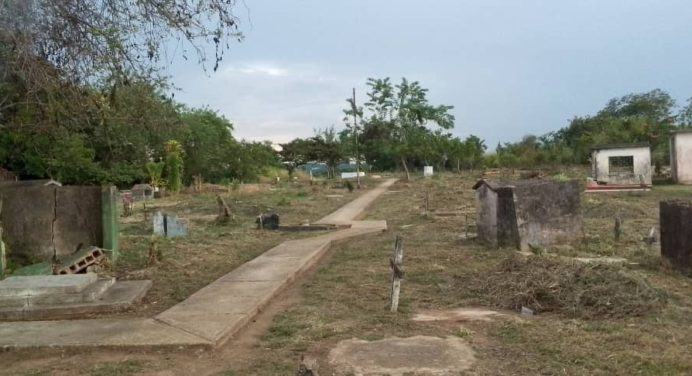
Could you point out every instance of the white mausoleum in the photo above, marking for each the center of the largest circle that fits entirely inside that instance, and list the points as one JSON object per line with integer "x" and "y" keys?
{"x": 681, "y": 156}
{"x": 621, "y": 164}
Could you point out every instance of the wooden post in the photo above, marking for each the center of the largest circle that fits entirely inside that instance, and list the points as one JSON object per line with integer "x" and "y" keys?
{"x": 3, "y": 256}
{"x": 144, "y": 204}
{"x": 355, "y": 136}
{"x": 396, "y": 262}
{"x": 616, "y": 229}
{"x": 224, "y": 211}
{"x": 427, "y": 202}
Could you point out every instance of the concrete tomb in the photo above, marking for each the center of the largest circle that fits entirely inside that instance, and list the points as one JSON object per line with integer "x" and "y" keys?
{"x": 681, "y": 156}
{"x": 419, "y": 355}
{"x": 676, "y": 233}
{"x": 142, "y": 192}
{"x": 169, "y": 225}
{"x": 621, "y": 164}
{"x": 268, "y": 221}
{"x": 66, "y": 296}
{"x": 45, "y": 222}
{"x": 525, "y": 214}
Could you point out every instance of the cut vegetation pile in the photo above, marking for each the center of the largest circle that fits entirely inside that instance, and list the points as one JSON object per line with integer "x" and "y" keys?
{"x": 575, "y": 289}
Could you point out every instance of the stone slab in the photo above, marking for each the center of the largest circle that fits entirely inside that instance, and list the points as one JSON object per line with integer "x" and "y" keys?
{"x": 89, "y": 294}
{"x": 119, "y": 333}
{"x": 121, "y": 296}
{"x": 265, "y": 269}
{"x": 46, "y": 284}
{"x": 395, "y": 356}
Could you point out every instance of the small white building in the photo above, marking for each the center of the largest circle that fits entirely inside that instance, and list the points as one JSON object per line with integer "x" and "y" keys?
{"x": 621, "y": 164}
{"x": 681, "y": 156}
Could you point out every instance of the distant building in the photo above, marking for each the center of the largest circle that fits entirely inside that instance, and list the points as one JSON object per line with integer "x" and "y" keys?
{"x": 681, "y": 156}
{"x": 621, "y": 164}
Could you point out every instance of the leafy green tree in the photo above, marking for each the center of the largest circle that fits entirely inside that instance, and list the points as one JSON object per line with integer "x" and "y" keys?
{"x": 251, "y": 160}
{"x": 174, "y": 165}
{"x": 398, "y": 122}
{"x": 327, "y": 148}
{"x": 155, "y": 173}
{"x": 209, "y": 145}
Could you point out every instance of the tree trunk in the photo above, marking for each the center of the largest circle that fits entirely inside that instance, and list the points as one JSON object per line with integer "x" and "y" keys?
{"x": 403, "y": 163}
{"x": 224, "y": 213}
{"x": 458, "y": 166}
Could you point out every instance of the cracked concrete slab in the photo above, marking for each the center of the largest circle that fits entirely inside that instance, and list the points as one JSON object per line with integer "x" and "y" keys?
{"x": 419, "y": 355}
{"x": 89, "y": 333}
{"x": 458, "y": 314}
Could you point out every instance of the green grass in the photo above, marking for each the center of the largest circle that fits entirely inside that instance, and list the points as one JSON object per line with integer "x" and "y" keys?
{"x": 124, "y": 368}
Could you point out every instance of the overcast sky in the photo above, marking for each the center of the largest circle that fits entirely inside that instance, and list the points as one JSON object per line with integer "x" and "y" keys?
{"x": 509, "y": 68}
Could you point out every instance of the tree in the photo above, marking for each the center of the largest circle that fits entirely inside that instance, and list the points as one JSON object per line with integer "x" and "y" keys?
{"x": 174, "y": 165}
{"x": 209, "y": 145}
{"x": 87, "y": 41}
{"x": 327, "y": 148}
{"x": 295, "y": 153}
{"x": 155, "y": 172}
{"x": 398, "y": 121}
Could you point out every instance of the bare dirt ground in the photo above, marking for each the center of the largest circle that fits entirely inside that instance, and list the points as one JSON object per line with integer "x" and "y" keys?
{"x": 621, "y": 319}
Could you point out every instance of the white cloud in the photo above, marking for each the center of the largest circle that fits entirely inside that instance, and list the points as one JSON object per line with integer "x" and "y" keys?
{"x": 257, "y": 69}
{"x": 272, "y": 101}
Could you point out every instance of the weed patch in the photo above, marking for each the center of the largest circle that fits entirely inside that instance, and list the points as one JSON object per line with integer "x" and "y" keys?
{"x": 574, "y": 289}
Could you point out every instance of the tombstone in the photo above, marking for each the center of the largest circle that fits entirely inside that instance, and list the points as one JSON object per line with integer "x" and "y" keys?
{"x": 675, "y": 218}
{"x": 142, "y": 192}
{"x": 268, "y": 221}
{"x": 169, "y": 225}
{"x": 527, "y": 214}
{"x": 427, "y": 171}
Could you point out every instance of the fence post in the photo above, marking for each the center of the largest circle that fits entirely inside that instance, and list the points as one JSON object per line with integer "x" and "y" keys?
{"x": 396, "y": 263}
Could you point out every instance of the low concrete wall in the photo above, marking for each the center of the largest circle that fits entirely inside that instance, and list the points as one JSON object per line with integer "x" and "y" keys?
{"x": 41, "y": 222}
{"x": 675, "y": 218}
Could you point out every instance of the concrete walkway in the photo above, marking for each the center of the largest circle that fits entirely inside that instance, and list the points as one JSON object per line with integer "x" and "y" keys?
{"x": 209, "y": 317}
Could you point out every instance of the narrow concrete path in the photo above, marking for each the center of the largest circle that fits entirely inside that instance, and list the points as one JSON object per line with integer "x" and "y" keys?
{"x": 209, "y": 317}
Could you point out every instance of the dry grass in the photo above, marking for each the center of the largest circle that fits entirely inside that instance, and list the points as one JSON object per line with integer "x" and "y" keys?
{"x": 596, "y": 320}
{"x": 571, "y": 288}
{"x": 211, "y": 249}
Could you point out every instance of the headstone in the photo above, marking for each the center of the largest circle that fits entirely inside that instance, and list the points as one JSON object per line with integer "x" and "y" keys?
{"x": 169, "y": 225}
{"x": 268, "y": 221}
{"x": 427, "y": 171}
{"x": 676, "y": 233}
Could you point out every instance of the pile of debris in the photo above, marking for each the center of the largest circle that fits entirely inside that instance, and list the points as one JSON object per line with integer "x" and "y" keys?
{"x": 575, "y": 289}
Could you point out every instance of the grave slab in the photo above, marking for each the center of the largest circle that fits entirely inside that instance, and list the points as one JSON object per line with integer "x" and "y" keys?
{"x": 116, "y": 333}
{"x": 46, "y": 284}
{"x": 419, "y": 355}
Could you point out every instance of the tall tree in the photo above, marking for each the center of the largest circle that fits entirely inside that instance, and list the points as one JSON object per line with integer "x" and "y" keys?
{"x": 401, "y": 120}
